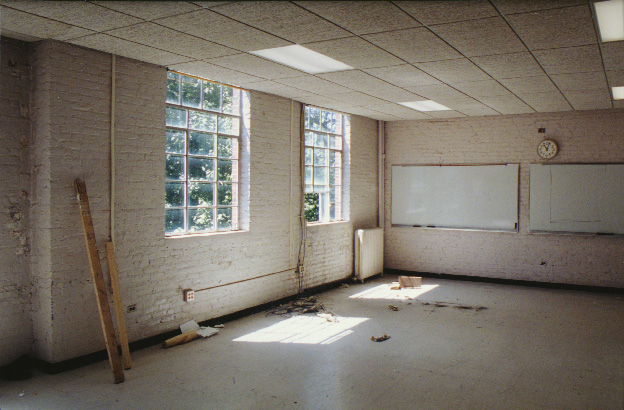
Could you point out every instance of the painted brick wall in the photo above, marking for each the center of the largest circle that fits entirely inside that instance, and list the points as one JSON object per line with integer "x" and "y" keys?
{"x": 232, "y": 271}
{"x": 15, "y": 325}
{"x": 583, "y": 137}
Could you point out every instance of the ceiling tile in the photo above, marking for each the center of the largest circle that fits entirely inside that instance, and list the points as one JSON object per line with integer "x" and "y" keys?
{"x": 478, "y": 89}
{"x": 437, "y": 12}
{"x": 314, "y": 85}
{"x": 359, "y": 81}
{"x": 461, "y": 104}
{"x": 570, "y": 59}
{"x": 479, "y": 111}
{"x": 451, "y": 71}
{"x": 257, "y": 66}
{"x": 164, "y": 38}
{"x": 367, "y": 112}
{"x": 114, "y": 45}
{"x": 509, "y": 65}
{"x": 580, "y": 81}
{"x": 358, "y": 98}
{"x": 589, "y": 99}
{"x": 616, "y": 78}
{"x": 355, "y": 52}
{"x": 229, "y": 33}
{"x": 527, "y": 85}
{"x": 524, "y": 6}
{"x": 282, "y": 19}
{"x": 282, "y": 90}
{"x": 506, "y": 104}
{"x": 210, "y": 4}
{"x": 566, "y": 27}
{"x": 404, "y": 75}
{"x": 546, "y": 102}
{"x": 325, "y": 102}
{"x": 445, "y": 114}
{"x": 394, "y": 109}
{"x": 618, "y": 104}
{"x": 414, "y": 45}
{"x": 362, "y": 17}
{"x": 437, "y": 91}
{"x": 149, "y": 10}
{"x": 613, "y": 55}
{"x": 37, "y": 28}
{"x": 215, "y": 73}
{"x": 480, "y": 37}
{"x": 80, "y": 14}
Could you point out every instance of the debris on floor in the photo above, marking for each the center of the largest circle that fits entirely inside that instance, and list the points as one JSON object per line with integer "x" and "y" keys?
{"x": 298, "y": 307}
{"x": 410, "y": 282}
{"x": 380, "y": 338}
{"x": 190, "y": 331}
{"x": 344, "y": 286}
{"x": 330, "y": 317}
{"x": 454, "y": 305}
{"x": 395, "y": 286}
{"x": 393, "y": 308}
{"x": 219, "y": 326}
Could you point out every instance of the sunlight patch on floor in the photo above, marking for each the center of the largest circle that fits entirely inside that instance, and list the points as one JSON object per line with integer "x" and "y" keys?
{"x": 384, "y": 292}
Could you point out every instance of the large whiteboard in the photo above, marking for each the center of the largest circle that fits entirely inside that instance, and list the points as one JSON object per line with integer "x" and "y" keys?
{"x": 577, "y": 198}
{"x": 456, "y": 196}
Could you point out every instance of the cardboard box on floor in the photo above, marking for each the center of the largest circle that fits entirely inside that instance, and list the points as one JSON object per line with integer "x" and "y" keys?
{"x": 409, "y": 282}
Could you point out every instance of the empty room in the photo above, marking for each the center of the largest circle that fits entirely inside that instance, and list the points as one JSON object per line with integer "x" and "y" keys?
{"x": 312, "y": 205}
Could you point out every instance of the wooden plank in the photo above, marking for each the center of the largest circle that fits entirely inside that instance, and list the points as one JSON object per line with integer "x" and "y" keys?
{"x": 98, "y": 281}
{"x": 119, "y": 311}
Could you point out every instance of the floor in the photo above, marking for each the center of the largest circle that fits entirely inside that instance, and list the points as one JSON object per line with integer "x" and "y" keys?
{"x": 453, "y": 345}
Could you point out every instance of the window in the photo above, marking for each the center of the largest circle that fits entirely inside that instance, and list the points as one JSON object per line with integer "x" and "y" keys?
{"x": 203, "y": 127}
{"x": 325, "y": 133}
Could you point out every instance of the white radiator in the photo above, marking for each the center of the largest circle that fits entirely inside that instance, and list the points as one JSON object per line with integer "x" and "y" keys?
{"x": 368, "y": 252}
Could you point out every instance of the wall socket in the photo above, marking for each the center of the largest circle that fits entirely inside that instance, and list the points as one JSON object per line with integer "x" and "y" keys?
{"x": 189, "y": 295}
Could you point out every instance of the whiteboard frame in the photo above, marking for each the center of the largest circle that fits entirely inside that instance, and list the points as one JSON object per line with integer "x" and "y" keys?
{"x": 516, "y": 213}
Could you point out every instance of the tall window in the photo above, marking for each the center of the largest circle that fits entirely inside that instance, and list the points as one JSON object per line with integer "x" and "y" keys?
{"x": 202, "y": 153}
{"x": 324, "y": 141}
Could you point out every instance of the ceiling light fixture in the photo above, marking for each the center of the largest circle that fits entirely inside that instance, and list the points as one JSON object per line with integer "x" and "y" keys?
{"x": 426, "y": 105}
{"x": 302, "y": 59}
{"x": 610, "y": 16}
{"x": 618, "y": 93}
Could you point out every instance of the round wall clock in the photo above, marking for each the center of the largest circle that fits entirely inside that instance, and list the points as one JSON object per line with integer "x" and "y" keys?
{"x": 547, "y": 149}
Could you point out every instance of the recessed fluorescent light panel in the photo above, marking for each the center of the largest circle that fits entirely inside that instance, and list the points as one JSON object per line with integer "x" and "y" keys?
{"x": 618, "y": 93}
{"x": 426, "y": 105}
{"x": 302, "y": 59}
{"x": 610, "y": 16}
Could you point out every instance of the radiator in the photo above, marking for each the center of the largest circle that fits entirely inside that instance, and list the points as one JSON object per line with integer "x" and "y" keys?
{"x": 368, "y": 252}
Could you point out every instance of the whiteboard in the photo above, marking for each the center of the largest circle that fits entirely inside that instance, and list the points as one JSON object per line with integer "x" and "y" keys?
{"x": 481, "y": 197}
{"x": 585, "y": 198}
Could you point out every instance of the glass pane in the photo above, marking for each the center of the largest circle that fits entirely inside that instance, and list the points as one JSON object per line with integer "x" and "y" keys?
{"x": 309, "y": 156}
{"x": 306, "y": 118}
{"x": 308, "y": 175}
{"x": 332, "y": 212}
{"x": 173, "y": 88}
{"x": 225, "y": 194}
{"x": 174, "y": 221}
{"x": 309, "y": 188}
{"x": 174, "y": 167}
{"x": 176, "y": 142}
{"x": 201, "y": 169}
{"x": 224, "y": 170}
{"x": 191, "y": 92}
{"x": 174, "y": 194}
{"x": 309, "y": 138}
{"x": 335, "y": 158}
{"x": 320, "y": 157}
{"x": 200, "y": 220}
{"x": 320, "y": 140}
{"x": 337, "y": 128}
{"x": 202, "y": 121}
{"x": 175, "y": 117}
{"x": 231, "y": 100}
{"x": 201, "y": 194}
{"x": 338, "y": 208}
{"x": 315, "y": 119}
{"x": 212, "y": 96}
{"x": 320, "y": 176}
{"x": 311, "y": 207}
{"x": 332, "y": 194}
{"x": 229, "y": 125}
{"x": 336, "y": 143}
{"x": 326, "y": 121}
{"x": 226, "y": 147}
{"x": 334, "y": 176}
{"x": 224, "y": 218}
{"x": 201, "y": 143}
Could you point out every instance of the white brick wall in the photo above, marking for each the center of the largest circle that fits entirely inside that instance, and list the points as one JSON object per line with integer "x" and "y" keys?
{"x": 71, "y": 127}
{"x": 15, "y": 326}
{"x": 583, "y": 137}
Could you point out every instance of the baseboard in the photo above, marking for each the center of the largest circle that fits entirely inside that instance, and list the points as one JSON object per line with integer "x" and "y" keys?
{"x": 516, "y": 282}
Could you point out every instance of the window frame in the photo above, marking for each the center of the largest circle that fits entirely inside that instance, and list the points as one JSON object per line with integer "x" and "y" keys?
{"x": 216, "y": 157}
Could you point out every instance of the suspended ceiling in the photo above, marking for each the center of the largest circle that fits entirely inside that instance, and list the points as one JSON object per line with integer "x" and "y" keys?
{"x": 476, "y": 57}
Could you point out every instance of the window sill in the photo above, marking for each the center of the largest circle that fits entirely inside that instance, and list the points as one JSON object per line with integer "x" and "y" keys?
{"x": 205, "y": 234}
{"x": 312, "y": 224}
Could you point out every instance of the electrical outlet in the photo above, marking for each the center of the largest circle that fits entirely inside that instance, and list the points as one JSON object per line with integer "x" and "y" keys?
{"x": 131, "y": 308}
{"x": 189, "y": 295}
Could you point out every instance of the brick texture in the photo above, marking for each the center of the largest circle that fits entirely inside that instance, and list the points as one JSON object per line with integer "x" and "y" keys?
{"x": 583, "y": 137}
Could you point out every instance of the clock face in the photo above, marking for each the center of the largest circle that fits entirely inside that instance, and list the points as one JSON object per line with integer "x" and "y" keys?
{"x": 547, "y": 149}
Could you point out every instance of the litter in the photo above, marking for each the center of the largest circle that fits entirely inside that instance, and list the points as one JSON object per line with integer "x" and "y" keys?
{"x": 414, "y": 282}
{"x": 328, "y": 316}
{"x": 219, "y": 326}
{"x": 393, "y": 308}
{"x": 395, "y": 286}
{"x": 190, "y": 331}
{"x": 21, "y": 394}
{"x": 344, "y": 286}
{"x": 380, "y": 338}
{"x": 299, "y": 307}
{"x": 454, "y": 305}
